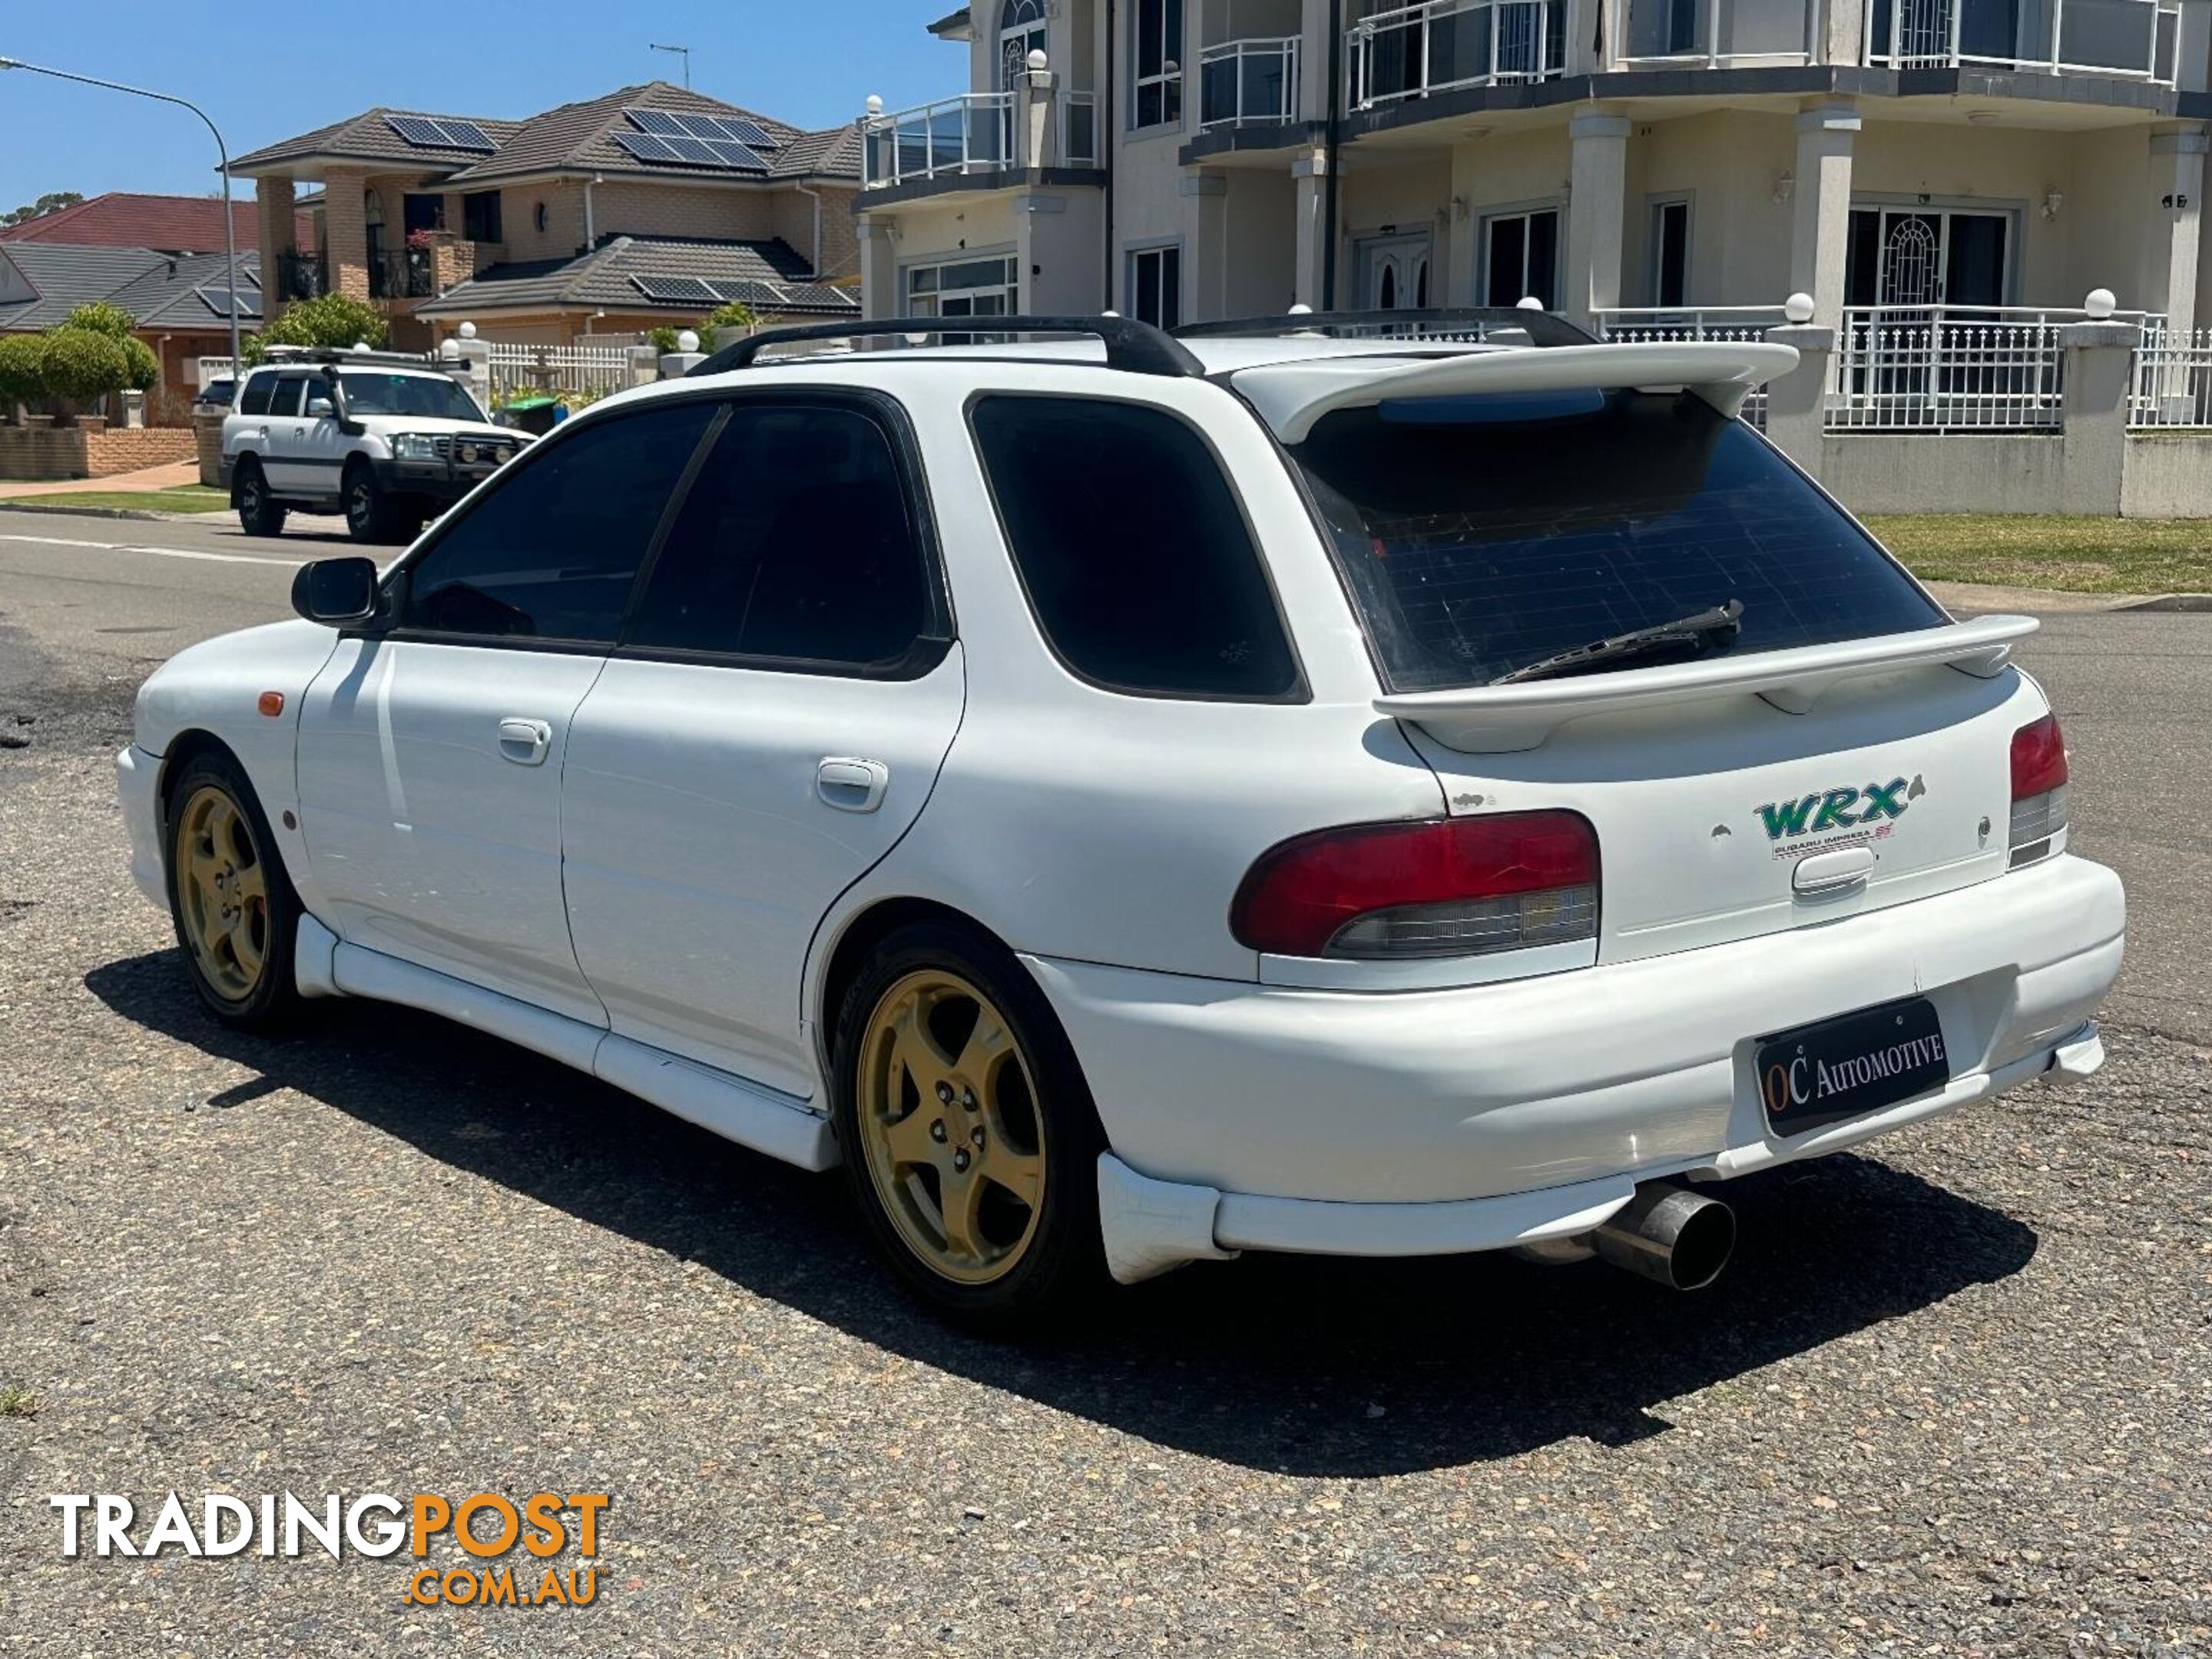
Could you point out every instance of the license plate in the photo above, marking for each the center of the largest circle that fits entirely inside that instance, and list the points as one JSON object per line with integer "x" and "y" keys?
{"x": 1844, "y": 1067}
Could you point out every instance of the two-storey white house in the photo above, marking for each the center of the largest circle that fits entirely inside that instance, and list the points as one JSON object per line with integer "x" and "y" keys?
{"x": 1187, "y": 160}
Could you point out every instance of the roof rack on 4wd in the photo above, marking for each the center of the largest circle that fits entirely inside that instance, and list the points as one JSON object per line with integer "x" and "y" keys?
{"x": 1443, "y": 324}
{"x": 1137, "y": 347}
{"x": 353, "y": 354}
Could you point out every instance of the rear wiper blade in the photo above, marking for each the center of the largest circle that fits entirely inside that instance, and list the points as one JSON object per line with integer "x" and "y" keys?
{"x": 1720, "y": 622}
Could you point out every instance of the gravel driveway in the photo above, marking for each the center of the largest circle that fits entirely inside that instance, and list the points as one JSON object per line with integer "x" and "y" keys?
{"x": 1954, "y": 1397}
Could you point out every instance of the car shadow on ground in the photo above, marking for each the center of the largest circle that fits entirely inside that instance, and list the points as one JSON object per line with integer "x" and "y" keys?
{"x": 1300, "y": 1365}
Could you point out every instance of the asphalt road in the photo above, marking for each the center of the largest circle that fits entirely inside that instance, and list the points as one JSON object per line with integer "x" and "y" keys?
{"x": 1952, "y": 1397}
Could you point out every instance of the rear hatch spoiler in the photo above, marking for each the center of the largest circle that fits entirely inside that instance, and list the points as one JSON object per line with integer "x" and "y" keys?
{"x": 1491, "y": 719}
{"x": 1292, "y": 397}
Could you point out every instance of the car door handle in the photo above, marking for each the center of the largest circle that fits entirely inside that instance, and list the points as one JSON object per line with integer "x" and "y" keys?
{"x": 851, "y": 785}
{"x": 524, "y": 742}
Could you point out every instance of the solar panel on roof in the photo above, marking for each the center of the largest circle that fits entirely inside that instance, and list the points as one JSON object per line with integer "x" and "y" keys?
{"x": 656, "y": 120}
{"x": 676, "y": 290}
{"x": 219, "y": 302}
{"x": 746, "y": 132}
{"x": 645, "y": 146}
{"x": 730, "y": 153}
{"x": 467, "y": 135}
{"x": 433, "y": 132}
{"x": 693, "y": 149}
{"x": 420, "y": 130}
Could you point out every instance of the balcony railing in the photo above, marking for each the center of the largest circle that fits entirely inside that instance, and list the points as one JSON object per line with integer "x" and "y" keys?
{"x": 1720, "y": 34}
{"x": 1243, "y": 82}
{"x": 1444, "y": 45}
{"x": 301, "y": 276}
{"x": 2133, "y": 39}
{"x": 974, "y": 132}
{"x": 405, "y": 274}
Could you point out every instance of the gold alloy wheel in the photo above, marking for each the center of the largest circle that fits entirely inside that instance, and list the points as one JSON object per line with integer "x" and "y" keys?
{"x": 950, "y": 1128}
{"x": 222, "y": 893}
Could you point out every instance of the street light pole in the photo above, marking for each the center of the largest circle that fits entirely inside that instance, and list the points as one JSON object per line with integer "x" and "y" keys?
{"x": 229, "y": 231}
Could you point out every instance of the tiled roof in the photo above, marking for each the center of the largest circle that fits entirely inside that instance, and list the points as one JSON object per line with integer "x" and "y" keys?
{"x": 122, "y": 218}
{"x": 155, "y": 288}
{"x": 834, "y": 153}
{"x": 370, "y": 136}
{"x": 573, "y": 138}
{"x": 771, "y": 276}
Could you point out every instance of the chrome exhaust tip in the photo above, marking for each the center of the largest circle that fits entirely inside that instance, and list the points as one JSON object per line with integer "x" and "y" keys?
{"x": 1670, "y": 1234}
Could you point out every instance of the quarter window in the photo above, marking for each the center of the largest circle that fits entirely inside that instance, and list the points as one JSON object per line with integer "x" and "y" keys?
{"x": 552, "y": 550}
{"x": 1158, "y": 80}
{"x": 1154, "y": 588}
{"x": 795, "y": 544}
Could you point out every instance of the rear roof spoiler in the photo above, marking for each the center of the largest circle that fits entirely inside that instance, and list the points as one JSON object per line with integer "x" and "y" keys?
{"x": 1493, "y": 720}
{"x": 1292, "y": 397}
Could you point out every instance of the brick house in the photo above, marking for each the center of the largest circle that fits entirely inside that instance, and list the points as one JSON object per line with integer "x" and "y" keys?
{"x": 650, "y": 205}
{"x": 178, "y": 299}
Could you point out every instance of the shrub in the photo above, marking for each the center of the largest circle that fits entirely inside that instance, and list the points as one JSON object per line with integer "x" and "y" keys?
{"x": 142, "y": 368}
{"x": 734, "y": 314}
{"x": 663, "y": 338}
{"x": 22, "y": 369}
{"x": 335, "y": 320}
{"x": 80, "y": 367}
{"x": 102, "y": 318}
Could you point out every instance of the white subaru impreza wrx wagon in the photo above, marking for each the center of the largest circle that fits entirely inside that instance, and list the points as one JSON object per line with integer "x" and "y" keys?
{"x": 1134, "y": 799}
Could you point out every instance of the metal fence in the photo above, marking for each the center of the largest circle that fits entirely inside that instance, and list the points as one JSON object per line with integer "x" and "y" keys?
{"x": 1634, "y": 323}
{"x": 587, "y": 371}
{"x": 1440, "y": 46}
{"x": 1945, "y": 368}
{"x": 2172, "y": 383}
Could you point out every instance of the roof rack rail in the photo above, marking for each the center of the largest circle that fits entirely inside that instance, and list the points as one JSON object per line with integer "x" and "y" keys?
{"x": 1544, "y": 328}
{"x": 343, "y": 354}
{"x": 1137, "y": 347}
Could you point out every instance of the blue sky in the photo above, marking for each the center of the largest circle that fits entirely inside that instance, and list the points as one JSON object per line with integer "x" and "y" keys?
{"x": 265, "y": 72}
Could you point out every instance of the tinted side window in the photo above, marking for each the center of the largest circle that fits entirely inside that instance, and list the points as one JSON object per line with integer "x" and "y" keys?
{"x": 794, "y": 544}
{"x": 284, "y": 399}
{"x": 256, "y": 400}
{"x": 551, "y": 552}
{"x": 1136, "y": 560}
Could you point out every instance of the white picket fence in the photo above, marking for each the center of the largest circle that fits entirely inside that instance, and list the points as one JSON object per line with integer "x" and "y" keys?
{"x": 587, "y": 371}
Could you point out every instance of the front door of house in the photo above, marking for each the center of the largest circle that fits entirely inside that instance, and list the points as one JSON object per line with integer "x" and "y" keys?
{"x": 1927, "y": 257}
{"x": 1393, "y": 272}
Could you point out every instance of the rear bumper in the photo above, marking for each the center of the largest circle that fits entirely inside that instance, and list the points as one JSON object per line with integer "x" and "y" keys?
{"x": 1367, "y": 1124}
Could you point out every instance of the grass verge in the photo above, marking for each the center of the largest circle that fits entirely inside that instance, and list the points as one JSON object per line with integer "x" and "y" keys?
{"x": 183, "y": 498}
{"x": 2080, "y": 555}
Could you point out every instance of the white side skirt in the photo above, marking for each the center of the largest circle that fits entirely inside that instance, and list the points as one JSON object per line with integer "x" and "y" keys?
{"x": 781, "y": 1125}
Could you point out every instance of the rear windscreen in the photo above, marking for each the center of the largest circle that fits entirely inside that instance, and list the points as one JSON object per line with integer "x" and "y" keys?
{"x": 1480, "y": 535}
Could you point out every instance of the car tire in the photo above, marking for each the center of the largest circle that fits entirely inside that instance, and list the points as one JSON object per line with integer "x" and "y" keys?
{"x": 236, "y": 914}
{"x": 971, "y": 1148}
{"x": 257, "y": 513}
{"x": 371, "y": 514}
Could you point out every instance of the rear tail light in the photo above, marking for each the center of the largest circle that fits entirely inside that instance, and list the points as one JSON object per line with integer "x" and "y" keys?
{"x": 2038, "y": 790}
{"x": 1448, "y": 887}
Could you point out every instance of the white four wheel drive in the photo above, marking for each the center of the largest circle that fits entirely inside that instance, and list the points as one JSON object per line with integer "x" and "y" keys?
{"x": 383, "y": 438}
{"x": 1138, "y": 800}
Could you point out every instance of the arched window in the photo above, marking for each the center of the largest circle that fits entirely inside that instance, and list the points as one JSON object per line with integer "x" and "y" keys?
{"x": 1021, "y": 31}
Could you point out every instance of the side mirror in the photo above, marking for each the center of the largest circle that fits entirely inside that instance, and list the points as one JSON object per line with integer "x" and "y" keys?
{"x": 336, "y": 592}
{"x": 320, "y": 408}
